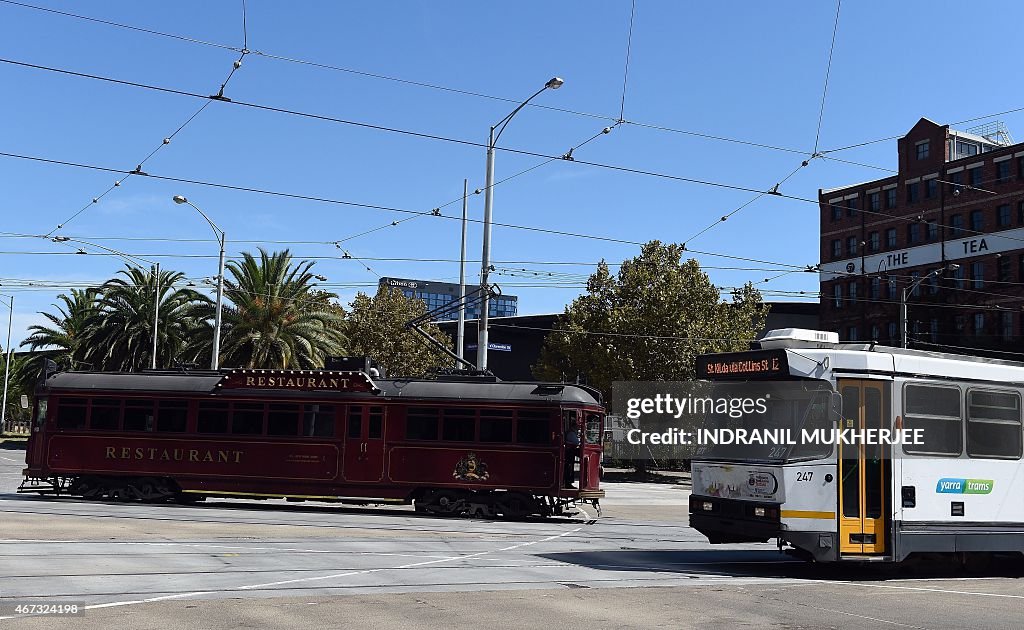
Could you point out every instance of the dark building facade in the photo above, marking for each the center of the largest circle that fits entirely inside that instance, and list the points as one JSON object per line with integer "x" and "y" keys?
{"x": 515, "y": 342}
{"x": 950, "y": 224}
{"x": 437, "y": 294}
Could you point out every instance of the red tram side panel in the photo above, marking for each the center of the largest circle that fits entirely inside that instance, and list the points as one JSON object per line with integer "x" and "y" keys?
{"x": 488, "y": 448}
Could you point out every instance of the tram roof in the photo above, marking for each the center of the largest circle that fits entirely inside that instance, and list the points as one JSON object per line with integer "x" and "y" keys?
{"x": 206, "y": 382}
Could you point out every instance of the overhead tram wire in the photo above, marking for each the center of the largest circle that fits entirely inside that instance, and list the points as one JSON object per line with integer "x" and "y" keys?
{"x": 625, "y": 72}
{"x": 166, "y": 141}
{"x": 325, "y": 118}
{"x": 372, "y": 206}
{"x": 828, "y": 71}
{"x": 422, "y": 84}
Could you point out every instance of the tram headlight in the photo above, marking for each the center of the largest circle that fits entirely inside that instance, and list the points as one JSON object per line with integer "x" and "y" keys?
{"x": 707, "y": 506}
{"x": 759, "y": 511}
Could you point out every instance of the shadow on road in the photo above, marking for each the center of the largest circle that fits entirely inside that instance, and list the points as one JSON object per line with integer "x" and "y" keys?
{"x": 774, "y": 564}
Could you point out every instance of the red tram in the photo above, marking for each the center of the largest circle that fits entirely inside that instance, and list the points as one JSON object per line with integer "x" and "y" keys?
{"x": 461, "y": 445}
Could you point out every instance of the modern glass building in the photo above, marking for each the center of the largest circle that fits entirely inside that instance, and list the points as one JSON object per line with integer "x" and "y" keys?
{"x": 437, "y": 294}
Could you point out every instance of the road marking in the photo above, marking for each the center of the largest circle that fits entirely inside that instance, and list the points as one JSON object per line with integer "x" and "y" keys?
{"x": 405, "y": 566}
{"x": 930, "y": 590}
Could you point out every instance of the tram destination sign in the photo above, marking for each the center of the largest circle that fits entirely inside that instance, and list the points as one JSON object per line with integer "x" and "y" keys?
{"x": 298, "y": 380}
{"x": 743, "y": 365}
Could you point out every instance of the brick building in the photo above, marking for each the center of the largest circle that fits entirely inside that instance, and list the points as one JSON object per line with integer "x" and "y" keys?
{"x": 954, "y": 210}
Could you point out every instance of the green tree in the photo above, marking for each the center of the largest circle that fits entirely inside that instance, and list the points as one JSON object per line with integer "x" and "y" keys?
{"x": 118, "y": 334}
{"x": 63, "y": 341}
{"x": 22, "y": 382}
{"x": 277, "y": 318}
{"x": 648, "y": 322}
{"x": 376, "y": 328}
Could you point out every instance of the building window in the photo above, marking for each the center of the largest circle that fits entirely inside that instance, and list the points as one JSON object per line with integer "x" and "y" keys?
{"x": 890, "y": 238}
{"x": 1020, "y": 212}
{"x": 956, "y": 225}
{"x": 933, "y": 230}
{"x": 875, "y": 332}
{"x": 837, "y": 248}
{"x": 837, "y": 295}
{"x": 913, "y": 233}
{"x": 977, "y": 274}
{"x": 931, "y": 188}
{"x": 976, "y": 176}
{"x": 890, "y": 198}
{"x": 933, "y": 329}
{"x": 851, "y": 290}
{"x": 977, "y": 220}
{"x": 876, "y": 288}
{"x": 874, "y": 241}
{"x": 1003, "y": 214}
{"x": 966, "y": 149}
{"x": 979, "y": 323}
{"x": 1002, "y": 171}
{"x": 932, "y": 282}
{"x": 956, "y": 181}
{"x": 837, "y": 212}
{"x": 851, "y": 207}
{"x": 913, "y": 192}
{"x": 851, "y": 246}
{"x": 893, "y": 331}
{"x": 914, "y": 277}
{"x": 1020, "y": 267}
{"x": 1002, "y": 268}
{"x": 1020, "y": 167}
{"x": 851, "y": 333}
{"x": 892, "y": 287}
{"x": 923, "y": 149}
{"x": 874, "y": 202}
{"x": 1007, "y": 326}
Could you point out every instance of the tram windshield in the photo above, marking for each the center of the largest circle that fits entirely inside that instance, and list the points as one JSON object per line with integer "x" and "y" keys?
{"x": 793, "y": 410}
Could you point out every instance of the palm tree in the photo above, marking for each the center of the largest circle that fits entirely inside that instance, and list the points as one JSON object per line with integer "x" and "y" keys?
{"x": 277, "y": 318}
{"x": 119, "y": 334}
{"x": 63, "y": 342}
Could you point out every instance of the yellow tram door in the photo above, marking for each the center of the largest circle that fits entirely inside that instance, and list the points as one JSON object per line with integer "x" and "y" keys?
{"x": 862, "y": 471}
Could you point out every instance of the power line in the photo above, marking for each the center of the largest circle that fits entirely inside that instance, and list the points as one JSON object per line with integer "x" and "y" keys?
{"x": 828, "y": 70}
{"x": 625, "y": 72}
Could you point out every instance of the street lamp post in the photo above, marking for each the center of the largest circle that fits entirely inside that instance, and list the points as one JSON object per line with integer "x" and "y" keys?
{"x": 221, "y": 237}
{"x": 7, "y": 370}
{"x": 904, "y": 331}
{"x": 485, "y": 263}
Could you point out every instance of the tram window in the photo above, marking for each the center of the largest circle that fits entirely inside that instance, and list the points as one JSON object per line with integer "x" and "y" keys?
{"x": 105, "y": 414}
{"x": 172, "y": 416}
{"x": 71, "y": 413}
{"x": 993, "y": 424}
{"x": 247, "y": 418}
{"x": 318, "y": 421}
{"x": 355, "y": 422}
{"x": 936, "y": 411}
{"x": 421, "y": 423}
{"x": 283, "y": 419}
{"x": 496, "y": 429}
{"x": 533, "y": 430}
{"x": 212, "y": 417}
{"x": 459, "y": 425}
{"x": 375, "y": 428}
{"x": 595, "y": 423}
{"x": 138, "y": 415}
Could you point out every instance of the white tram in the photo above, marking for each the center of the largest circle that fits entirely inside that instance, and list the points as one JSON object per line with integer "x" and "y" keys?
{"x": 960, "y": 491}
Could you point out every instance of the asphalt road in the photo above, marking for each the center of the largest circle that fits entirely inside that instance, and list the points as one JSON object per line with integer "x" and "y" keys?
{"x": 231, "y": 564}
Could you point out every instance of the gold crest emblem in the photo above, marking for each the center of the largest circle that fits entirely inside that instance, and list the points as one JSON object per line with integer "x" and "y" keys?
{"x": 469, "y": 468}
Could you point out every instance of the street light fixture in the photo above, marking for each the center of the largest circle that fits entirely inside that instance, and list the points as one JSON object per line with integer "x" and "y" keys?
{"x": 221, "y": 237}
{"x": 904, "y": 332}
{"x": 485, "y": 263}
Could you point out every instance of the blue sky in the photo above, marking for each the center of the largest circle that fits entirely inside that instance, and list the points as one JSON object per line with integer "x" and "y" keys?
{"x": 750, "y": 71}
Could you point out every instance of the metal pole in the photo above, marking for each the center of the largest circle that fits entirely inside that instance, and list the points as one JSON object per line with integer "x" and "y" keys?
{"x": 7, "y": 371}
{"x": 460, "y": 336}
{"x": 903, "y": 318}
{"x": 485, "y": 264}
{"x": 156, "y": 313}
{"x": 215, "y": 362}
